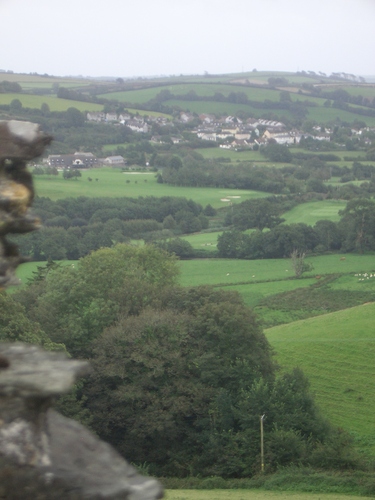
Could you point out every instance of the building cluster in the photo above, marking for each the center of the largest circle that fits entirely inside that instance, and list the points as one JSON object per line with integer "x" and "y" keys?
{"x": 228, "y": 132}
{"x": 83, "y": 160}
{"x": 136, "y": 123}
{"x": 233, "y": 133}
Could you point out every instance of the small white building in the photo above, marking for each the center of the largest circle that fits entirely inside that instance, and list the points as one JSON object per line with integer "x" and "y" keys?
{"x": 115, "y": 161}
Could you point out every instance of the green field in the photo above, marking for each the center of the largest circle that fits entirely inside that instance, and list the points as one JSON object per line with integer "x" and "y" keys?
{"x": 252, "y": 495}
{"x": 311, "y": 212}
{"x": 50, "y": 86}
{"x": 255, "y": 279}
{"x": 205, "y": 241}
{"x": 209, "y": 89}
{"x": 24, "y": 79}
{"x": 336, "y": 351}
{"x": 227, "y": 108}
{"x": 367, "y": 90}
{"x": 234, "y": 156}
{"x": 54, "y": 103}
{"x": 215, "y": 271}
{"x": 253, "y": 293}
{"x": 326, "y": 115}
{"x": 112, "y": 182}
{"x": 25, "y": 272}
{"x": 201, "y": 89}
{"x": 319, "y": 114}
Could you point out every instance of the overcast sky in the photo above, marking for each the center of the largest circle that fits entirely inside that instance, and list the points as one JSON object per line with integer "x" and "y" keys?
{"x": 125, "y": 38}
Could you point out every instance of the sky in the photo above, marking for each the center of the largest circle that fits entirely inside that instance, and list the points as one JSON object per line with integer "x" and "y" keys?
{"x": 128, "y": 38}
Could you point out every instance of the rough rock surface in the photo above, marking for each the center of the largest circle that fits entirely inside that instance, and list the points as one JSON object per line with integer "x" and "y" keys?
{"x": 19, "y": 143}
{"x": 44, "y": 455}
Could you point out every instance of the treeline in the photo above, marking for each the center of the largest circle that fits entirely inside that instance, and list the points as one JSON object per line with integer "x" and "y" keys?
{"x": 225, "y": 176}
{"x": 10, "y": 87}
{"x": 339, "y": 99}
{"x": 355, "y": 232}
{"x": 69, "y": 128}
{"x": 306, "y": 174}
{"x": 181, "y": 376}
{"x": 298, "y": 109}
{"x": 73, "y": 227}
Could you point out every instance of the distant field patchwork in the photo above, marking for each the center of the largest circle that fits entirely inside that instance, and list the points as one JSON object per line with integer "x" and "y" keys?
{"x": 113, "y": 183}
{"x": 54, "y": 103}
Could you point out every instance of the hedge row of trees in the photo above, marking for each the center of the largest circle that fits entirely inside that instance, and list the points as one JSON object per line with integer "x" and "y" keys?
{"x": 307, "y": 174}
{"x": 181, "y": 376}
{"x": 355, "y": 232}
{"x": 74, "y": 227}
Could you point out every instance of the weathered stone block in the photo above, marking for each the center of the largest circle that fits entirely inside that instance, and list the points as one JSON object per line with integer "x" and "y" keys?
{"x": 44, "y": 455}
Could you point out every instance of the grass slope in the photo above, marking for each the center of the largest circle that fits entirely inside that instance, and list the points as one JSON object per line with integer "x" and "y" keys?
{"x": 54, "y": 103}
{"x": 251, "y": 495}
{"x": 310, "y": 213}
{"x": 336, "y": 351}
{"x": 112, "y": 182}
{"x": 233, "y": 272}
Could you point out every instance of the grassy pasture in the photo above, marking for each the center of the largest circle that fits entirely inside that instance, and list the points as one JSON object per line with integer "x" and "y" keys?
{"x": 226, "y": 108}
{"x": 49, "y": 85}
{"x": 54, "y": 103}
{"x": 252, "y": 156}
{"x": 215, "y": 271}
{"x": 260, "y": 160}
{"x": 253, "y": 293}
{"x": 23, "y": 79}
{"x": 252, "y": 495}
{"x": 203, "y": 240}
{"x": 366, "y": 90}
{"x": 232, "y": 271}
{"x": 311, "y": 212}
{"x": 332, "y": 264}
{"x": 319, "y": 113}
{"x": 201, "y": 89}
{"x": 325, "y": 115}
{"x": 112, "y": 182}
{"x": 353, "y": 155}
{"x": 262, "y": 77}
{"x": 336, "y": 351}
{"x": 25, "y": 271}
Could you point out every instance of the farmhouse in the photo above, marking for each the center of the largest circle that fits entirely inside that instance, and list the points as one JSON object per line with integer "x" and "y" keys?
{"x": 207, "y": 137}
{"x": 114, "y": 161}
{"x": 292, "y": 137}
{"x": 77, "y": 160}
{"x": 138, "y": 126}
{"x": 95, "y": 116}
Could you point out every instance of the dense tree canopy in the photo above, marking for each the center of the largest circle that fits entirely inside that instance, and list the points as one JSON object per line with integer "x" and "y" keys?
{"x": 180, "y": 375}
{"x": 73, "y": 227}
{"x": 76, "y": 303}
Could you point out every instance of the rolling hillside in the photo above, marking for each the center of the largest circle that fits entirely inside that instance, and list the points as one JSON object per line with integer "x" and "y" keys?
{"x": 336, "y": 351}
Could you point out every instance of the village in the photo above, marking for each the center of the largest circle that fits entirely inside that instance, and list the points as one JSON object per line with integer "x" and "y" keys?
{"x": 226, "y": 132}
